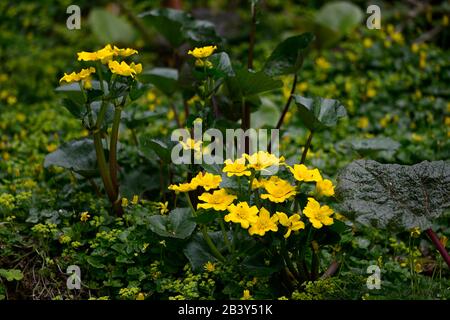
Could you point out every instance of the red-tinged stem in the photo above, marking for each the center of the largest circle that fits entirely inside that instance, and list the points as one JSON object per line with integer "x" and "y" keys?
{"x": 307, "y": 146}
{"x": 438, "y": 244}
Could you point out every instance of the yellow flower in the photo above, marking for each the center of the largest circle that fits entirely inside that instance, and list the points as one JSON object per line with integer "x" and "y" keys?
{"x": 322, "y": 63}
{"x": 163, "y": 207}
{"x": 203, "y": 52}
{"x": 302, "y": 86}
{"x": 207, "y": 180}
{"x": 242, "y": 213}
{"x": 363, "y": 123}
{"x": 124, "y": 69}
{"x": 219, "y": 200}
{"x": 418, "y": 267}
{"x": 325, "y": 188}
{"x": 318, "y": 215}
{"x": 135, "y": 200}
{"x": 258, "y": 183}
{"x": 397, "y": 37}
{"x": 422, "y": 60}
{"x": 191, "y": 144}
{"x": 74, "y": 77}
{"x": 209, "y": 266}
{"x": 85, "y": 216}
{"x": 124, "y": 202}
{"x": 262, "y": 160}
{"x": 415, "y": 232}
{"x": 415, "y": 47}
{"x": 371, "y": 92}
{"x": 292, "y": 223}
{"x": 447, "y": 121}
{"x": 104, "y": 55}
{"x": 183, "y": 187}
{"x": 264, "y": 223}
{"x": 140, "y": 296}
{"x": 246, "y": 295}
{"x": 124, "y": 52}
{"x": 279, "y": 190}
{"x": 302, "y": 173}
{"x": 237, "y": 168}
{"x": 367, "y": 43}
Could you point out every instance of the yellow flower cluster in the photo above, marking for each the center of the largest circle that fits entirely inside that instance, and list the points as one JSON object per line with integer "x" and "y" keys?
{"x": 105, "y": 56}
{"x": 75, "y": 77}
{"x": 201, "y": 54}
{"x": 257, "y": 219}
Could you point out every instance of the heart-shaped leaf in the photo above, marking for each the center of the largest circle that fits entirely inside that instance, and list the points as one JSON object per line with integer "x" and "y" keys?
{"x": 165, "y": 79}
{"x": 198, "y": 252}
{"x": 109, "y": 28}
{"x": 340, "y": 16}
{"x": 395, "y": 196}
{"x": 177, "y": 224}
{"x": 75, "y": 155}
{"x": 319, "y": 113}
{"x": 168, "y": 22}
{"x": 247, "y": 83}
{"x": 287, "y": 58}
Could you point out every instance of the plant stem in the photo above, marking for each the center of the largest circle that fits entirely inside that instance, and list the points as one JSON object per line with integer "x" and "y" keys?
{"x": 102, "y": 166}
{"x": 288, "y": 102}
{"x": 307, "y": 146}
{"x": 288, "y": 261}
{"x": 251, "y": 46}
{"x": 113, "y": 166}
{"x": 206, "y": 236}
{"x": 438, "y": 244}
{"x": 225, "y": 236}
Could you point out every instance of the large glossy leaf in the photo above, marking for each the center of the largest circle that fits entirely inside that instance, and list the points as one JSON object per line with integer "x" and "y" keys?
{"x": 148, "y": 145}
{"x": 76, "y": 155}
{"x": 109, "y": 28}
{"x": 198, "y": 253}
{"x": 72, "y": 91}
{"x": 177, "y": 224}
{"x": 373, "y": 146}
{"x": 319, "y": 113}
{"x": 395, "y": 196}
{"x": 287, "y": 58}
{"x": 165, "y": 79}
{"x": 168, "y": 22}
{"x": 222, "y": 64}
{"x": 339, "y": 16}
{"x": 247, "y": 83}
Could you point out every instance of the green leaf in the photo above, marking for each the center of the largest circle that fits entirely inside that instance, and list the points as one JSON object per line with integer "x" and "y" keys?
{"x": 319, "y": 113}
{"x": 148, "y": 145}
{"x": 255, "y": 264}
{"x": 11, "y": 274}
{"x": 198, "y": 252}
{"x": 373, "y": 146}
{"x": 168, "y": 22}
{"x": 287, "y": 58}
{"x": 165, "y": 79}
{"x": 72, "y": 91}
{"x": 109, "y": 28}
{"x": 175, "y": 225}
{"x": 75, "y": 155}
{"x": 76, "y": 109}
{"x": 137, "y": 90}
{"x": 222, "y": 64}
{"x": 248, "y": 83}
{"x": 395, "y": 196}
{"x": 95, "y": 261}
{"x": 341, "y": 16}
{"x": 200, "y": 32}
